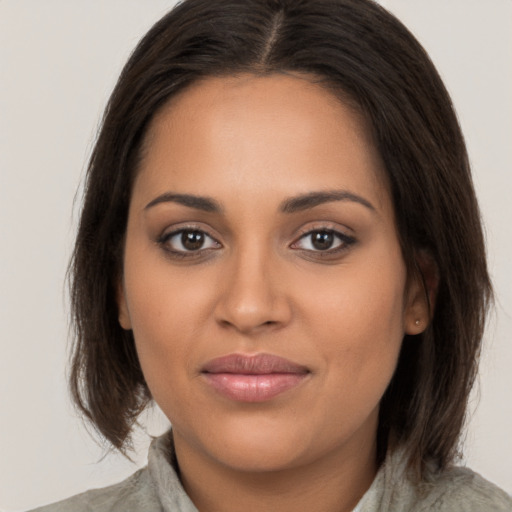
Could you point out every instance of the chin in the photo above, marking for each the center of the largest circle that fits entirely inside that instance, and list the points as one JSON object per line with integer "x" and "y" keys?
{"x": 268, "y": 457}
{"x": 260, "y": 446}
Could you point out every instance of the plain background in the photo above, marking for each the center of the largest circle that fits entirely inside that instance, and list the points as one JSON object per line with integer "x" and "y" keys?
{"x": 58, "y": 63}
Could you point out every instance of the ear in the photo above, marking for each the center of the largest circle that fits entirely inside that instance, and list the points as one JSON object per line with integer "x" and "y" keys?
{"x": 122, "y": 306}
{"x": 421, "y": 294}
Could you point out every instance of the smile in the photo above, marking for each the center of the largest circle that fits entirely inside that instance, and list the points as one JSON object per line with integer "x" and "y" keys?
{"x": 253, "y": 378}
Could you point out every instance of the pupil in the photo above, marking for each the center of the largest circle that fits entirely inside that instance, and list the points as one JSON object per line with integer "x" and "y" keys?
{"x": 192, "y": 240}
{"x": 322, "y": 240}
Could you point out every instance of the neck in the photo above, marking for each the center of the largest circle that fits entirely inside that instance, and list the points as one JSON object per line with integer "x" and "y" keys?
{"x": 333, "y": 483}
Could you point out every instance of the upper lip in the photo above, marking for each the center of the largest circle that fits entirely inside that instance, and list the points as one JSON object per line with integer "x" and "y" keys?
{"x": 259, "y": 364}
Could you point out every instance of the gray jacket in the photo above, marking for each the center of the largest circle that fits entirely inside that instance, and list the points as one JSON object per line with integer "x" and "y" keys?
{"x": 157, "y": 488}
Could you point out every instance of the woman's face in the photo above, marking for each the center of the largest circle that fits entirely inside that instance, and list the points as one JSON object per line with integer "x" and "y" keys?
{"x": 263, "y": 276}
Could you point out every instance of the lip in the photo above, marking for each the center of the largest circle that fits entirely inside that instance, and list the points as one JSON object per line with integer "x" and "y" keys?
{"x": 253, "y": 378}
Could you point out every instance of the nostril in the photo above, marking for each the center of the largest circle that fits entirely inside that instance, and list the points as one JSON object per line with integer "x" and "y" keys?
{"x": 248, "y": 308}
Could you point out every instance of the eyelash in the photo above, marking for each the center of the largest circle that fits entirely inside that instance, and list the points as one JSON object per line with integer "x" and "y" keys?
{"x": 165, "y": 239}
{"x": 344, "y": 242}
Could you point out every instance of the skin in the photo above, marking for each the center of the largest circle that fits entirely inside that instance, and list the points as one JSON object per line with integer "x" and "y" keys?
{"x": 259, "y": 285}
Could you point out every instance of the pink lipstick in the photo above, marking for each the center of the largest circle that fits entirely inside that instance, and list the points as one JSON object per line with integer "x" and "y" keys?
{"x": 257, "y": 378}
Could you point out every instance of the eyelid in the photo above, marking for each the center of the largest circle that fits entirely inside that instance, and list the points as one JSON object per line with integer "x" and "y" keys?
{"x": 167, "y": 235}
{"x": 324, "y": 226}
{"x": 346, "y": 240}
{"x": 343, "y": 244}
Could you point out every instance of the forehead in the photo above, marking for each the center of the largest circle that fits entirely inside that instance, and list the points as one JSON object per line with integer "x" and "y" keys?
{"x": 284, "y": 131}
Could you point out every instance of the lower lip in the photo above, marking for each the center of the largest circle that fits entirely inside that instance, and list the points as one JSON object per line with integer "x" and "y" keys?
{"x": 253, "y": 388}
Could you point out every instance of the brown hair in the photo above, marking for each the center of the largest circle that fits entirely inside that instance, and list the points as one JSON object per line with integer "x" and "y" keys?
{"x": 361, "y": 52}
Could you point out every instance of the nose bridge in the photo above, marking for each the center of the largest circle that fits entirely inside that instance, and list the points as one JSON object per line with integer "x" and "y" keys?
{"x": 251, "y": 296}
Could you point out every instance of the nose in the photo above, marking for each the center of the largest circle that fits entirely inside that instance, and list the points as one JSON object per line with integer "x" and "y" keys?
{"x": 252, "y": 297}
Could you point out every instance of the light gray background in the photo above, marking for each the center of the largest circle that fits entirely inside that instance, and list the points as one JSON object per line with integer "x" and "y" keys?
{"x": 58, "y": 62}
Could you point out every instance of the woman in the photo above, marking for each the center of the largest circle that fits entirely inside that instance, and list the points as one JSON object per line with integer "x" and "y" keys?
{"x": 280, "y": 244}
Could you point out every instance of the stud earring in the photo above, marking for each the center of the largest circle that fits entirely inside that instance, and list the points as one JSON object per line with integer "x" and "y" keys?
{"x": 417, "y": 322}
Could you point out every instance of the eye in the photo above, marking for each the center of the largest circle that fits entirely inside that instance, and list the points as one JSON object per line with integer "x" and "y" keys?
{"x": 188, "y": 241}
{"x": 323, "y": 240}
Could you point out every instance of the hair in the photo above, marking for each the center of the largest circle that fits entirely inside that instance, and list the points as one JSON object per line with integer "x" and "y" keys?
{"x": 363, "y": 54}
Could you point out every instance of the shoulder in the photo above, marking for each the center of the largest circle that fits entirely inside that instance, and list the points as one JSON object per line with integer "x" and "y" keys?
{"x": 134, "y": 493}
{"x": 154, "y": 488}
{"x": 462, "y": 489}
{"x": 455, "y": 489}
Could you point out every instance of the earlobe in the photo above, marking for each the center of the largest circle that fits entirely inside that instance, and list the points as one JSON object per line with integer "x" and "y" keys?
{"x": 417, "y": 315}
{"x": 122, "y": 307}
{"x": 421, "y": 296}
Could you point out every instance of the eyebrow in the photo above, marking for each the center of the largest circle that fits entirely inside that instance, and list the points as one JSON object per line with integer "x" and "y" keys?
{"x": 312, "y": 199}
{"x": 206, "y": 204}
{"x": 291, "y": 205}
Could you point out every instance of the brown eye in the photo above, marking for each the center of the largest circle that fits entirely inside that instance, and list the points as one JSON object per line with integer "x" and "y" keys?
{"x": 322, "y": 240}
{"x": 186, "y": 241}
{"x": 192, "y": 240}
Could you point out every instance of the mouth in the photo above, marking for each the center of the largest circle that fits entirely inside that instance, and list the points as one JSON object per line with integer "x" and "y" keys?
{"x": 253, "y": 378}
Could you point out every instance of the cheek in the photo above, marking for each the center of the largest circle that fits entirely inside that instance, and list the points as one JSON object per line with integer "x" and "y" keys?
{"x": 162, "y": 298}
{"x": 356, "y": 318}
{"x": 356, "y": 326}
{"x": 165, "y": 312}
